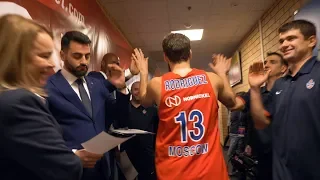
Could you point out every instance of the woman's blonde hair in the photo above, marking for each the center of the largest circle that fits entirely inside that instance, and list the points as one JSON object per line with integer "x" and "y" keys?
{"x": 17, "y": 37}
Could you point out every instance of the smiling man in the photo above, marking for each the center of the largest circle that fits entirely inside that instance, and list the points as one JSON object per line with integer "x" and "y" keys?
{"x": 293, "y": 105}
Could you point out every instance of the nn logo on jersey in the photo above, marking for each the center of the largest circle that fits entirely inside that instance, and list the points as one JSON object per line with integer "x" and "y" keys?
{"x": 173, "y": 101}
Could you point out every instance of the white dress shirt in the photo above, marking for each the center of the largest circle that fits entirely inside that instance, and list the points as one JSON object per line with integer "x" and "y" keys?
{"x": 104, "y": 74}
{"x": 71, "y": 80}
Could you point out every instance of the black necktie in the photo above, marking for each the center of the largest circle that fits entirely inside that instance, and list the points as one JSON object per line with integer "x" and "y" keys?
{"x": 84, "y": 96}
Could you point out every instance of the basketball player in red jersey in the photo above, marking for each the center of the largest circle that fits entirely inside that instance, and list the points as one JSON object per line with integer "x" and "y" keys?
{"x": 188, "y": 141}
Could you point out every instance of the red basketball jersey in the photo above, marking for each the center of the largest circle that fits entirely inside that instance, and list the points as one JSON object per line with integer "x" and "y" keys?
{"x": 188, "y": 141}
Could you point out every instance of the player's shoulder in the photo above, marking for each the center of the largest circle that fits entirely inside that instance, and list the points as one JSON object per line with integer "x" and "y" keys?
{"x": 211, "y": 74}
{"x": 214, "y": 78}
{"x": 155, "y": 82}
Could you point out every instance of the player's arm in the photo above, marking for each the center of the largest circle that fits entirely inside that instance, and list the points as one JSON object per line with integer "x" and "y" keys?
{"x": 131, "y": 71}
{"x": 146, "y": 93}
{"x": 260, "y": 116}
{"x": 257, "y": 76}
{"x": 226, "y": 95}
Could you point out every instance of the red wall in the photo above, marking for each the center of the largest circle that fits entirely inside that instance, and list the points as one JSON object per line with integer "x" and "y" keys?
{"x": 88, "y": 17}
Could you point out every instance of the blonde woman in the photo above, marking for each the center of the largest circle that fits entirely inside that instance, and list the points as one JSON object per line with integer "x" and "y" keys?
{"x": 31, "y": 143}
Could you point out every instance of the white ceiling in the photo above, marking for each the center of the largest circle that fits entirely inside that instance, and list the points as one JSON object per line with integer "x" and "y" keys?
{"x": 225, "y": 22}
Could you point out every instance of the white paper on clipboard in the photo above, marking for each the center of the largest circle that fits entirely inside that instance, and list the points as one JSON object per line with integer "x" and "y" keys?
{"x": 103, "y": 143}
{"x": 130, "y": 131}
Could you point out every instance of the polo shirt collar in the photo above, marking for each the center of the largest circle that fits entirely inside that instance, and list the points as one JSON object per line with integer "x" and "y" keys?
{"x": 264, "y": 89}
{"x": 306, "y": 68}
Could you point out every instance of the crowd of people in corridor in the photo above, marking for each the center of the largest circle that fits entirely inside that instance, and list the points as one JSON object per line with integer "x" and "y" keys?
{"x": 45, "y": 118}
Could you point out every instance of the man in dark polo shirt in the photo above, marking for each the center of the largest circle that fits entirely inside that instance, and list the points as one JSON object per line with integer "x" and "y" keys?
{"x": 259, "y": 141}
{"x": 140, "y": 149}
{"x": 293, "y": 105}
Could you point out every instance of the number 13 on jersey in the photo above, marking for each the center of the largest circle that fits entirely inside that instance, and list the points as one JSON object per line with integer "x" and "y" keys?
{"x": 198, "y": 131}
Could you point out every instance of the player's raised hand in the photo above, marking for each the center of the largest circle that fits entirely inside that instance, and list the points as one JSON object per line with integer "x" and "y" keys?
{"x": 140, "y": 60}
{"x": 257, "y": 75}
{"x": 220, "y": 64}
{"x": 133, "y": 67}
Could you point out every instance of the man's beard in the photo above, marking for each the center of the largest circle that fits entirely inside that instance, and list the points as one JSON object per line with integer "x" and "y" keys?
{"x": 136, "y": 99}
{"x": 76, "y": 71}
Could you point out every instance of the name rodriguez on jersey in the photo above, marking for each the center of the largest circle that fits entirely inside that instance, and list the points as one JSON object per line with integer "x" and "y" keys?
{"x": 179, "y": 151}
{"x": 174, "y": 84}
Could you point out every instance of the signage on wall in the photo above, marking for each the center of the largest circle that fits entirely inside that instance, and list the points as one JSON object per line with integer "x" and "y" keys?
{"x": 69, "y": 8}
{"x": 65, "y": 15}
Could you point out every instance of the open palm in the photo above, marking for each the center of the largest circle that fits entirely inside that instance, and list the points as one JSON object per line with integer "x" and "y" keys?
{"x": 220, "y": 64}
{"x": 140, "y": 61}
{"x": 257, "y": 74}
{"x": 116, "y": 76}
{"x": 133, "y": 67}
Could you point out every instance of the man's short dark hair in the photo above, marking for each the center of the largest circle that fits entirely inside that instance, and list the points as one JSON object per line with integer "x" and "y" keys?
{"x": 307, "y": 28}
{"x": 176, "y": 47}
{"x": 76, "y": 36}
{"x": 282, "y": 61}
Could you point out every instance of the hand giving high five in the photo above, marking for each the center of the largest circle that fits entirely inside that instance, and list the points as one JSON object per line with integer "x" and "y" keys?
{"x": 257, "y": 75}
{"x": 140, "y": 60}
{"x": 220, "y": 64}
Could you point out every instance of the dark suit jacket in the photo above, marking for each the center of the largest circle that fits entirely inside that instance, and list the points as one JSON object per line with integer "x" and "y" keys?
{"x": 31, "y": 142}
{"x": 120, "y": 123}
{"x": 96, "y": 74}
{"x": 76, "y": 122}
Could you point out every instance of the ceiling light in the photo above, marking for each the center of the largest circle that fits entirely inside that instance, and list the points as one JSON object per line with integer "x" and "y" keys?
{"x": 187, "y": 25}
{"x": 192, "y": 34}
